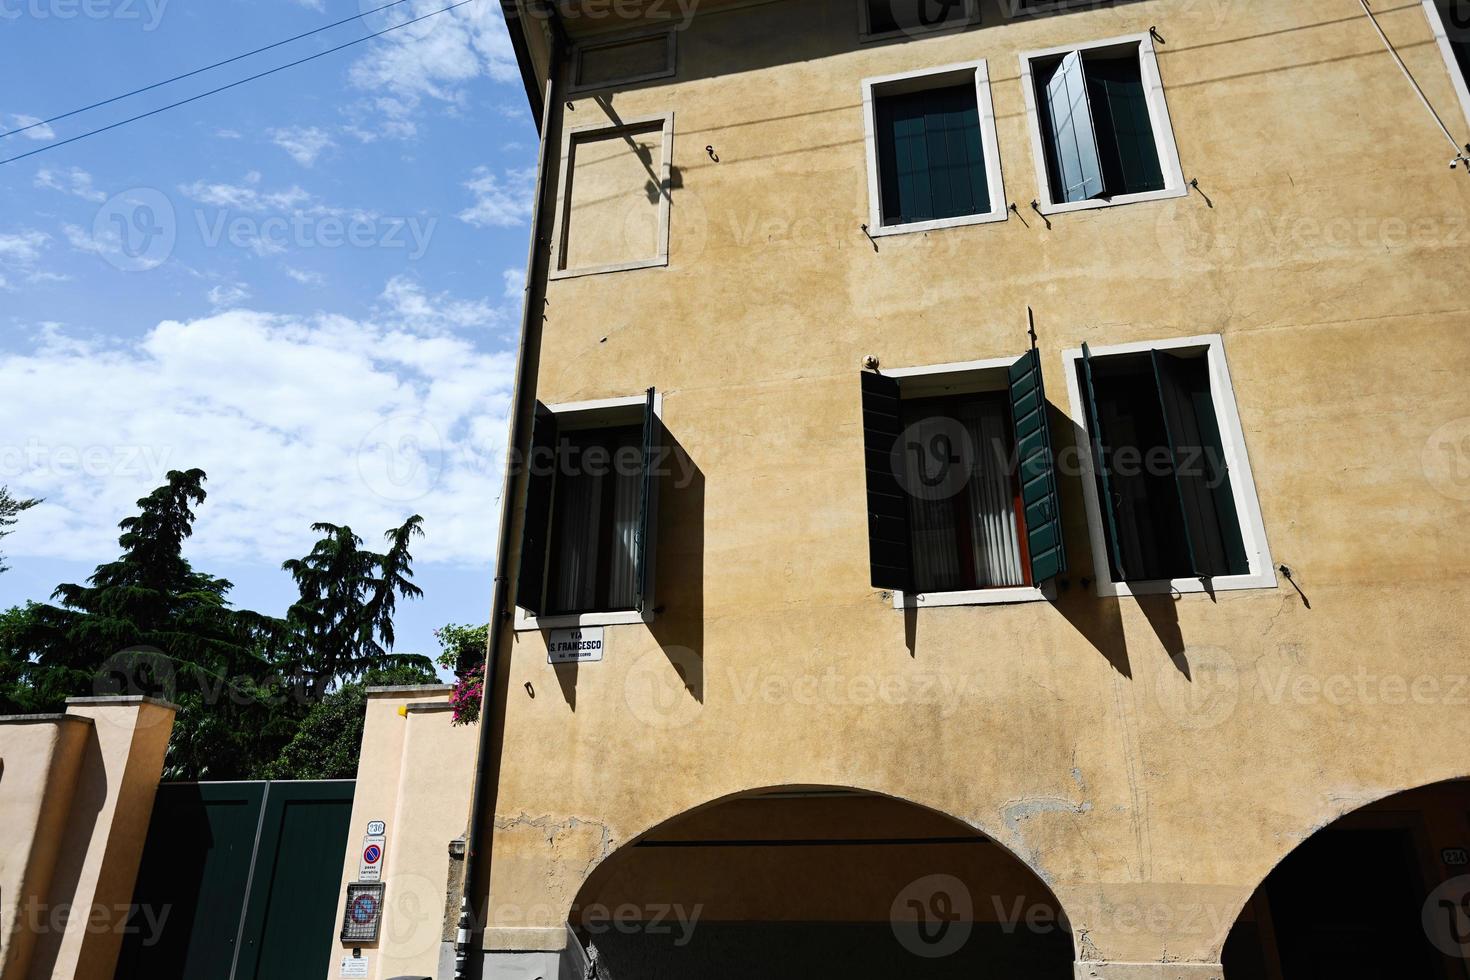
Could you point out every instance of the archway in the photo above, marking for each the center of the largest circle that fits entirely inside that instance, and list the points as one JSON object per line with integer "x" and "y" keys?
{"x": 1382, "y": 893}
{"x": 798, "y": 882}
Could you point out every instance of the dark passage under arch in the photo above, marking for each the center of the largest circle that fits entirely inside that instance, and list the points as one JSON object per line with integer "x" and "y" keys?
{"x": 820, "y": 883}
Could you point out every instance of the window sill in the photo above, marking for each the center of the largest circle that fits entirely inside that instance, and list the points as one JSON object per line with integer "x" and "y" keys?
{"x": 1168, "y": 193}
{"x": 1229, "y": 583}
{"x": 913, "y": 227}
{"x": 527, "y": 623}
{"x": 975, "y": 597}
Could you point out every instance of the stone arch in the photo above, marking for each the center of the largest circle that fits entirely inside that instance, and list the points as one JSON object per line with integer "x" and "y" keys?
{"x": 1374, "y": 862}
{"x": 817, "y": 880}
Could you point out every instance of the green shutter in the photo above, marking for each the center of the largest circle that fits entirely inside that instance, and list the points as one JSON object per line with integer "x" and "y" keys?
{"x": 1125, "y": 132}
{"x": 931, "y": 158}
{"x": 1073, "y": 134}
{"x": 890, "y": 555}
{"x": 1099, "y": 454}
{"x": 644, "y": 543}
{"x": 535, "y": 534}
{"x": 1211, "y": 525}
{"x": 1036, "y": 465}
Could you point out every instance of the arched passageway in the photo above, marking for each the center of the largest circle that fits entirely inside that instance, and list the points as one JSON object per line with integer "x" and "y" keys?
{"x": 1380, "y": 894}
{"x": 810, "y": 882}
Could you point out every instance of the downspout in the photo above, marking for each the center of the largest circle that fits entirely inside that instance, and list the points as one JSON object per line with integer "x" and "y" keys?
{"x": 469, "y": 954}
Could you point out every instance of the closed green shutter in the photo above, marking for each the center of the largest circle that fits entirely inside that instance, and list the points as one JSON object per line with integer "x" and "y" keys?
{"x": 541, "y": 466}
{"x": 1211, "y": 525}
{"x": 1036, "y": 465}
{"x": 1073, "y": 133}
{"x": 644, "y": 550}
{"x": 890, "y": 555}
{"x": 931, "y": 158}
{"x": 1106, "y": 502}
{"x": 1125, "y": 134}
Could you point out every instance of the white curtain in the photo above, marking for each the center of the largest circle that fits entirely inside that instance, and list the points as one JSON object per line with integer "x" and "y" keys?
{"x": 578, "y": 519}
{"x": 622, "y": 588}
{"x": 986, "y": 504}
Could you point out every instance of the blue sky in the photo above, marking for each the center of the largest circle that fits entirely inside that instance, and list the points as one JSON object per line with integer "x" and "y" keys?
{"x": 308, "y": 286}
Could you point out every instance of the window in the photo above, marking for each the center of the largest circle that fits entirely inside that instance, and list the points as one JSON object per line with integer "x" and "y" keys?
{"x": 932, "y": 157}
{"x": 884, "y": 19}
{"x": 587, "y": 547}
{"x": 1450, "y": 20}
{"x": 623, "y": 60}
{"x": 613, "y": 206}
{"x": 1171, "y": 501}
{"x": 962, "y": 499}
{"x": 1100, "y": 128}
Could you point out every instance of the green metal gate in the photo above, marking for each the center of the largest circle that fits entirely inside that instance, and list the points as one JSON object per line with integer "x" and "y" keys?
{"x": 239, "y": 881}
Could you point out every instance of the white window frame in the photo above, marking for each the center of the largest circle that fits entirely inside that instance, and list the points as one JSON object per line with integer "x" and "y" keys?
{"x": 1442, "y": 38}
{"x": 564, "y": 194}
{"x": 1158, "y": 111}
{"x": 579, "y": 49}
{"x": 958, "y": 378}
{"x": 865, "y": 25}
{"x": 1262, "y": 574}
{"x": 525, "y": 621}
{"x": 923, "y": 80}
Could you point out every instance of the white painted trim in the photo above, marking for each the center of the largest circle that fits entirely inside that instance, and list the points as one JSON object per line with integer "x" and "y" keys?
{"x": 1262, "y": 574}
{"x": 579, "y": 49}
{"x": 1442, "y": 38}
{"x": 525, "y": 621}
{"x": 966, "y": 597}
{"x": 639, "y": 124}
{"x": 918, "y": 81}
{"x": 865, "y": 25}
{"x": 1158, "y": 111}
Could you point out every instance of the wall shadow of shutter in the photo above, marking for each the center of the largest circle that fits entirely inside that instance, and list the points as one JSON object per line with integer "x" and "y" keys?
{"x": 541, "y": 466}
{"x": 890, "y": 556}
{"x": 1036, "y": 468}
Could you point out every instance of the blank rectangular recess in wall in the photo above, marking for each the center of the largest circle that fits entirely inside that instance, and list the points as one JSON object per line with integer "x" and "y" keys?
{"x": 623, "y": 61}
{"x": 615, "y": 197}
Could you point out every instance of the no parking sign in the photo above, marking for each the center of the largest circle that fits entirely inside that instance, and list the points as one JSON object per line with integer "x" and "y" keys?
{"x": 370, "y": 868}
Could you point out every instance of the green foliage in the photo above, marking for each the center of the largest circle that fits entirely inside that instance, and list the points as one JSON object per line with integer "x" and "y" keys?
{"x": 245, "y": 683}
{"x": 10, "y": 510}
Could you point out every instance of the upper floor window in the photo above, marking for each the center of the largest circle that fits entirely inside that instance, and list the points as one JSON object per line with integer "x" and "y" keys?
{"x": 1100, "y": 128}
{"x": 961, "y": 484}
{"x": 1450, "y": 20}
{"x": 883, "y": 19}
{"x": 591, "y": 508}
{"x": 932, "y": 152}
{"x": 1170, "y": 496}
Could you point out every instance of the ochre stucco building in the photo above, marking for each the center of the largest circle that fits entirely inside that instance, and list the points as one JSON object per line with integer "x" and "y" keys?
{"x": 873, "y": 700}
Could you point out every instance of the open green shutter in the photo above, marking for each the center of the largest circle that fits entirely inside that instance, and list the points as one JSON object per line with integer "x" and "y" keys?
{"x": 889, "y": 552}
{"x": 644, "y": 548}
{"x": 1105, "y": 489}
{"x": 1211, "y": 525}
{"x": 535, "y": 535}
{"x": 1036, "y": 466}
{"x": 1073, "y": 133}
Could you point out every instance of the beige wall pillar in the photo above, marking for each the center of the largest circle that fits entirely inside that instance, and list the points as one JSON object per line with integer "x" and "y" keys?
{"x": 414, "y": 775}
{"x": 81, "y": 798}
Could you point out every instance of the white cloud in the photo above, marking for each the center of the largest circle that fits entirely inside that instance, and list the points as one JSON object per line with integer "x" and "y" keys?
{"x": 304, "y": 144}
{"x": 305, "y": 276}
{"x": 434, "y": 59}
{"x": 502, "y": 201}
{"x": 296, "y": 419}
{"x": 515, "y": 284}
{"x": 247, "y": 196}
{"x": 316, "y": 5}
{"x": 19, "y": 253}
{"x": 37, "y": 130}
{"x": 408, "y": 301}
{"x": 228, "y": 134}
{"x": 228, "y": 295}
{"x": 75, "y": 181}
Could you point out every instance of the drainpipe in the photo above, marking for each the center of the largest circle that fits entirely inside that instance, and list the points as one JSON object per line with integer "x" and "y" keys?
{"x": 469, "y": 955}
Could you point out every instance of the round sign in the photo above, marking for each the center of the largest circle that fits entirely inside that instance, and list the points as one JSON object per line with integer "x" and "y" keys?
{"x": 364, "y": 909}
{"x": 373, "y": 854}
